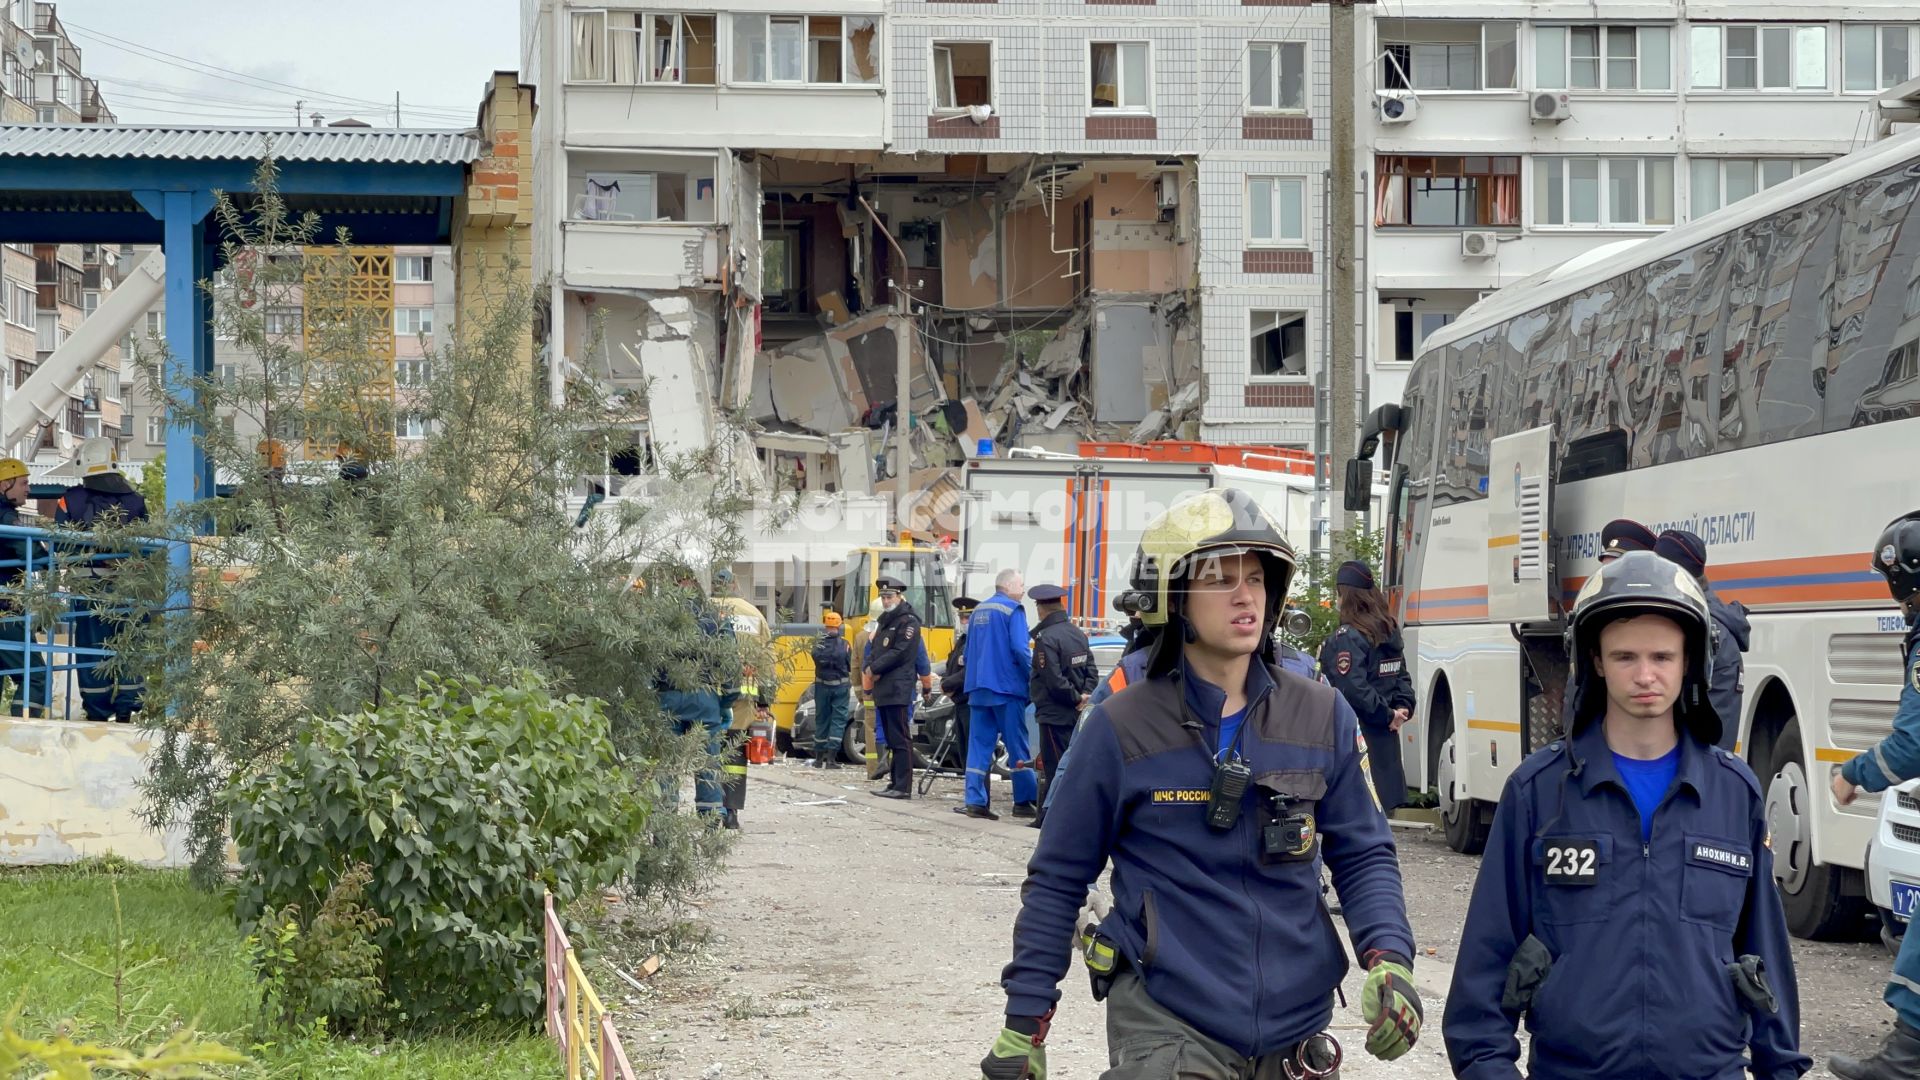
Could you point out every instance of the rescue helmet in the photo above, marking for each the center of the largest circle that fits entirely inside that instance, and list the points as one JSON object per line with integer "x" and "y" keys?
{"x": 831, "y": 620}
{"x": 12, "y": 469}
{"x": 1212, "y": 524}
{"x": 1642, "y": 583}
{"x": 97, "y": 457}
{"x": 1897, "y": 556}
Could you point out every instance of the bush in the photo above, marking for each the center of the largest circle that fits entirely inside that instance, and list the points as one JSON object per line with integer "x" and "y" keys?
{"x": 327, "y": 968}
{"x": 1313, "y": 586}
{"x": 466, "y": 802}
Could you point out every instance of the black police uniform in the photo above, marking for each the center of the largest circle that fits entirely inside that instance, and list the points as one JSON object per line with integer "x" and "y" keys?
{"x": 1375, "y": 681}
{"x": 896, "y": 645}
{"x": 1063, "y": 674}
{"x": 953, "y": 675}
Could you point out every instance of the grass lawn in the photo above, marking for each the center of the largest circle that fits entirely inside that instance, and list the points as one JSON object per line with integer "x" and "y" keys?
{"x": 200, "y": 976}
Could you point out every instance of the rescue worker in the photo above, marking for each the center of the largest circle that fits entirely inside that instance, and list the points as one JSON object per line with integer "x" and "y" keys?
{"x": 26, "y": 668}
{"x": 102, "y": 497}
{"x": 998, "y": 670}
{"x": 752, "y": 699}
{"x": 832, "y": 683}
{"x": 1214, "y": 785}
{"x": 1674, "y": 963}
{"x": 1731, "y": 635}
{"x": 704, "y": 707}
{"x": 953, "y": 677}
{"x": 1063, "y": 676}
{"x": 1894, "y": 760}
{"x": 1365, "y": 660}
{"x": 890, "y": 667}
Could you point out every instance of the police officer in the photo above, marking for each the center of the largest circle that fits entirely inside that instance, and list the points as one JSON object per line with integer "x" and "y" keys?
{"x": 832, "y": 682}
{"x": 953, "y": 675}
{"x": 1625, "y": 906}
{"x": 1063, "y": 676}
{"x": 1365, "y": 660}
{"x": 1731, "y": 631}
{"x": 1622, "y": 535}
{"x": 890, "y": 665}
{"x": 1214, "y": 785}
{"x": 998, "y": 666}
{"x": 1894, "y": 760}
{"x": 103, "y": 496}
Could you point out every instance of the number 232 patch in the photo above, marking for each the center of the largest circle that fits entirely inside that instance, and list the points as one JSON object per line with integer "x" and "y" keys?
{"x": 1571, "y": 862}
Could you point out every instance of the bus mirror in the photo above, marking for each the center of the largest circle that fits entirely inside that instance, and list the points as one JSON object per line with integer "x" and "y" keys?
{"x": 1359, "y": 484}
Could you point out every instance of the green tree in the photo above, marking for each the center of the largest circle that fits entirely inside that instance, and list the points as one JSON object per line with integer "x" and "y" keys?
{"x": 458, "y": 555}
{"x": 153, "y": 481}
{"x": 1313, "y": 586}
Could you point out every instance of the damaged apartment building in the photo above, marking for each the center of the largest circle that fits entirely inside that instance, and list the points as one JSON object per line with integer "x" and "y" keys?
{"x": 1106, "y": 218}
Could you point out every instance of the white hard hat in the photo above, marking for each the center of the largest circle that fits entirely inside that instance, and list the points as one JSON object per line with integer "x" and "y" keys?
{"x": 97, "y": 456}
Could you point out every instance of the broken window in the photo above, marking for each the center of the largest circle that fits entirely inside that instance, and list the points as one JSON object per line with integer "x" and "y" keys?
{"x": 634, "y": 47}
{"x": 1449, "y": 54}
{"x": 1276, "y": 210}
{"x": 821, "y": 50}
{"x": 643, "y": 187}
{"x": 780, "y": 271}
{"x": 962, "y": 74}
{"x": 685, "y": 50}
{"x": 590, "y": 46}
{"x": 1276, "y": 75}
{"x": 1121, "y": 76}
{"x": 1447, "y": 192}
{"x": 1279, "y": 344}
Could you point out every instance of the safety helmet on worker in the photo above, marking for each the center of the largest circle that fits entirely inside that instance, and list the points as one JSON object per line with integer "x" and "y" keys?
{"x": 12, "y": 469}
{"x": 1896, "y": 556}
{"x": 1642, "y": 583}
{"x": 97, "y": 457}
{"x": 1213, "y": 524}
{"x": 831, "y": 620}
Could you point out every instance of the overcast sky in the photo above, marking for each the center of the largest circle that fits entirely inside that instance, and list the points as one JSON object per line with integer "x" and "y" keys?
{"x": 249, "y": 61}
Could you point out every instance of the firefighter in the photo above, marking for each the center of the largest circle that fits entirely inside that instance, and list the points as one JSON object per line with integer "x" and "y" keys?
{"x": 890, "y": 671}
{"x": 1894, "y": 760}
{"x": 1365, "y": 660}
{"x": 1625, "y": 907}
{"x": 704, "y": 707}
{"x": 832, "y": 682}
{"x": 102, "y": 497}
{"x": 1214, "y": 786}
{"x": 25, "y": 667}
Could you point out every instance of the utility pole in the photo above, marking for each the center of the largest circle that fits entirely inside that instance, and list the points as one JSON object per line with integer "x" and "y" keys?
{"x": 1345, "y": 429}
{"x": 396, "y": 108}
{"x": 903, "y": 399}
{"x": 298, "y": 105}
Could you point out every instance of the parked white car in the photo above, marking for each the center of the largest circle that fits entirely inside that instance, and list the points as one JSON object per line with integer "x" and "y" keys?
{"x": 1893, "y": 862}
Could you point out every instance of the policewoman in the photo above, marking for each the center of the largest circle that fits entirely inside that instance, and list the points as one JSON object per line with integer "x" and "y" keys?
{"x": 1367, "y": 663}
{"x": 1625, "y": 907}
{"x": 1895, "y": 760}
{"x": 1214, "y": 786}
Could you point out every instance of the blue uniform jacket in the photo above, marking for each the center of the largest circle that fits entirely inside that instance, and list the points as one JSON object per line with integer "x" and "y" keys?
{"x": 1897, "y": 757}
{"x": 1723, "y": 693}
{"x": 1373, "y": 678}
{"x": 1238, "y": 946}
{"x": 832, "y": 658}
{"x": 997, "y": 639}
{"x": 1640, "y": 935}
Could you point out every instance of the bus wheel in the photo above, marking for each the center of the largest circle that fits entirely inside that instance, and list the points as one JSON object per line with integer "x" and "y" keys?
{"x": 853, "y": 744}
{"x": 1812, "y": 892}
{"x": 1465, "y": 818}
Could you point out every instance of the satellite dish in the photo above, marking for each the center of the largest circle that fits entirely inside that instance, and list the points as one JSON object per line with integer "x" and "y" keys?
{"x": 23, "y": 52}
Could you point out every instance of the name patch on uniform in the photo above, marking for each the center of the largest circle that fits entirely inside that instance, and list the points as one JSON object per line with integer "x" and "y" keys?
{"x": 1343, "y": 662}
{"x": 1391, "y": 667}
{"x": 1194, "y": 796}
{"x": 1721, "y": 857}
{"x": 1078, "y": 661}
{"x": 1572, "y": 862}
{"x": 1913, "y": 675}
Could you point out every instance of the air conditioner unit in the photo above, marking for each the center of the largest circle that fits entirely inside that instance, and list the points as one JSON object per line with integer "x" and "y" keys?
{"x": 1396, "y": 106}
{"x": 1479, "y": 245}
{"x": 1549, "y": 106}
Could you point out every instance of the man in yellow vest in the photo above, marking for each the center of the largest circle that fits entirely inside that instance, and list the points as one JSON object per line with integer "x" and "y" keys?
{"x": 755, "y": 636}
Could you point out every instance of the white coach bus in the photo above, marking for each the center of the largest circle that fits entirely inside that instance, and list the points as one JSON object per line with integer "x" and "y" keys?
{"x": 1753, "y": 376}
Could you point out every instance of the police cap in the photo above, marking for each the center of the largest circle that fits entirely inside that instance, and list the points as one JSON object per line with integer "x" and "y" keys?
{"x": 891, "y": 585}
{"x": 1047, "y": 594}
{"x": 1622, "y": 535}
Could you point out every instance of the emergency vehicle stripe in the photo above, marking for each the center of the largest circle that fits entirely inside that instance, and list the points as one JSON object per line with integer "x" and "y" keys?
{"x": 1099, "y": 606}
{"x": 1070, "y": 542}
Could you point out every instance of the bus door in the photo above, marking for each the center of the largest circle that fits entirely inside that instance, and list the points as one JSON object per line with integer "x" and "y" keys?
{"x": 1523, "y": 580}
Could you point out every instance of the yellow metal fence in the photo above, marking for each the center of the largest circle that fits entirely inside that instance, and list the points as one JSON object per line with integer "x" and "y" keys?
{"x": 576, "y": 1020}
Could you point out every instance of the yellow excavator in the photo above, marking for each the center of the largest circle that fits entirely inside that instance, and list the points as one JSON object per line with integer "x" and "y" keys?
{"x": 855, "y": 594}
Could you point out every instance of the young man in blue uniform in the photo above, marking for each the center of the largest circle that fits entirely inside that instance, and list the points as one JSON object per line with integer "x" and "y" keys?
{"x": 1625, "y": 906}
{"x": 1895, "y": 760}
{"x": 998, "y": 668}
{"x": 1214, "y": 785}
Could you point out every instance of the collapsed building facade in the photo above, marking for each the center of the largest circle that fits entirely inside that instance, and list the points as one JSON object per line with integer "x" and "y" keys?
{"x": 1105, "y": 223}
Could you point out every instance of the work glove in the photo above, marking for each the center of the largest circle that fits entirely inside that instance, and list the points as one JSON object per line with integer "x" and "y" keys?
{"x": 1390, "y": 1005}
{"x": 1017, "y": 1055}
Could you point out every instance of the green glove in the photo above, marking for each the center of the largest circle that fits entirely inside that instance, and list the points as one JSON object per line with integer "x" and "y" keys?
{"x": 1015, "y": 1057}
{"x": 1390, "y": 1005}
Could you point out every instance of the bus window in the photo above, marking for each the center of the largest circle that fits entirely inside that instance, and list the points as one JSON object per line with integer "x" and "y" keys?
{"x": 927, "y": 588}
{"x": 1399, "y": 525}
{"x": 1596, "y": 455}
{"x": 850, "y": 595}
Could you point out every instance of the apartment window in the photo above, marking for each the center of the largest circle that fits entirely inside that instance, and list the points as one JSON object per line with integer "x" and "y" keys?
{"x": 1412, "y": 328}
{"x": 1878, "y": 57}
{"x": 1771, "y": 57}
{"x": 412, "y": 373}
{"x": 412, "y": 321}
{"x": 281, "y": 321}
{"x": 23, "y": 310}
{"x": 1448, "y": 54}
{"x": 287, "y": 375}
{"x": 643, "y": 187}
{"x": 49, "y": 114}
{"x": 823, "y": 50}
{"x": 1603, "y": 57}
{"x": 47, "y": 332}
{"x": 1596, "y": 192}
{"x": 226, "y": 374}
{"x": 1276, "y": 212}
{"x": 156, "y": 324}
{"x": 1122, "y": 76}
{"x": 1276, "y": 76}
{"x": 1718, "y": 182}
{"x": 1447, "y": 192}
{"x": 409, "y": 425}
{"x": 413, "y": 269}
{"x": 113, "y": 385}
{"x": 589, "y": 46}
{"x": 659, "y": 47}
{"x": 90, "y": 301}
{"x": 962, "y": 74}
{"x": 156, "y": 430}
{"x": 1279, "y": 344}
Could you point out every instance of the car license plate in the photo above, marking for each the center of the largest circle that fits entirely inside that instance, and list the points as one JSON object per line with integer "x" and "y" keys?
{"x": 1904, "y": 898}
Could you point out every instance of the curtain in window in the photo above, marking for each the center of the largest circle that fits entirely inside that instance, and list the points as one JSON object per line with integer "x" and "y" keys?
{"x": 627, "y": 43}
{"x": 666, "y": 62}
{"x": 1106, "y": 76}
{"x": 590, "y": 46}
